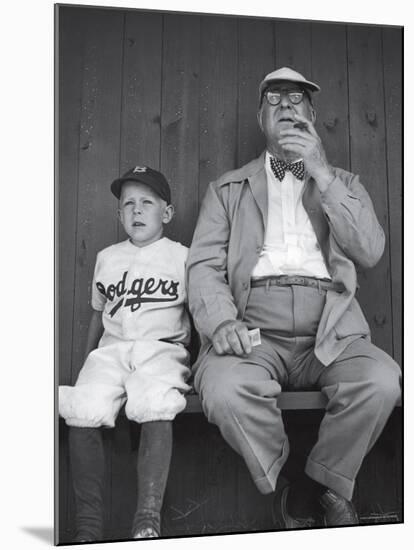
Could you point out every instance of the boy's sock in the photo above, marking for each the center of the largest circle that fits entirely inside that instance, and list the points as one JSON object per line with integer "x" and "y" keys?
{"x": 154, "y": 458}
{"x": 88, "y": 464}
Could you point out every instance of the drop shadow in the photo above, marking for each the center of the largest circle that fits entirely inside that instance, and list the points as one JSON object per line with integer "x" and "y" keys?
{"x": 43, "y": 533}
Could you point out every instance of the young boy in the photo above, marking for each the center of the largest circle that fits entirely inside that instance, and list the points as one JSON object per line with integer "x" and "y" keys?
{"x": 135, "y": 355}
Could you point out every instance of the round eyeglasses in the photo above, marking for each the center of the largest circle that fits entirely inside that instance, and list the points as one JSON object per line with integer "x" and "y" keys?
{"x": 274, "y": 98}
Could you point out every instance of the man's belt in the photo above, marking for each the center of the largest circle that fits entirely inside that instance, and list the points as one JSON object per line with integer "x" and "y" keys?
{"x": 289, "y": 280}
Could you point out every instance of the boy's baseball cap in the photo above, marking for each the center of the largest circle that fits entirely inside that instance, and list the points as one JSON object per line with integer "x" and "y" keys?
{"x": 144, "y": 174}
{"x": 285, "y": 73}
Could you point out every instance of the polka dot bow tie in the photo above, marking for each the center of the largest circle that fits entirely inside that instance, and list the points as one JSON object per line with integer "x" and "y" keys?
{"x": 279, "y": 167}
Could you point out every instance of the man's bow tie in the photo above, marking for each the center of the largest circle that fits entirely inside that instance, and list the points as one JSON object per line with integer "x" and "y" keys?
{"x": 279, "y": 167}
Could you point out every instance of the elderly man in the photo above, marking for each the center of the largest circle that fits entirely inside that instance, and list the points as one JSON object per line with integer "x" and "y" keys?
{"x": 275, "y": 249}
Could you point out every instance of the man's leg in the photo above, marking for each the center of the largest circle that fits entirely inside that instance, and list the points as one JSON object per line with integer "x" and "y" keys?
{"x": 88, "y": 466}
{"x": 154, "y": 456}
{"x": 362, "y": 386}
{"x": 239, "y": 395}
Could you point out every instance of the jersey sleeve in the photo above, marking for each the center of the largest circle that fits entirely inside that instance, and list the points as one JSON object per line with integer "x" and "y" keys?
{"x": 98, "y": 292}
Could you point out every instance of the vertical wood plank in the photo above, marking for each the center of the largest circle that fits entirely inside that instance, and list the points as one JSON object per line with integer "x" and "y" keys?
{"x": 254, "y": 510}
{"x": 293, "y": 46}
{"x": 329, "y": 71}
{"x": 180, "y": 120}
{"x": 396, "y": 437}
{"x": 223, "y": 483}
{"x": 141, "y": 93}
{"x": 70, "y": 29}
{"x": 62, "y": 490}
{"x": 256, "y": 59}
{"x": 218, "y": 98}
{"x": 209, "y": 498}
{"x": 392, "y": 45}
{"x": 187, "y": 500}
{"x": 368, "y": 159}
{"x": 140, "y": 145}
{"x": 123, "y": 490}
{"x": 98, "y": 166}
{"x": 99, "y": 158}
{"x": 69, "y": 74}
{"x": 141, "y": 97}
{"x": 378, "y": 486}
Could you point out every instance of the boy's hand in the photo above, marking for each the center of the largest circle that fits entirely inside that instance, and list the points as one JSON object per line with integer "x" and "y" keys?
{"x": 232, "y": 338}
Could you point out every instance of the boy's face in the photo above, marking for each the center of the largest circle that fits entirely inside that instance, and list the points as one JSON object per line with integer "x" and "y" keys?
{"x": 143, "y": 213}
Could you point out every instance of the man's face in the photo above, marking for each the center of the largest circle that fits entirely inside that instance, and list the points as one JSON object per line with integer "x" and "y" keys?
{"x": 274, "y": 118}
{"x": 143, "y": 213}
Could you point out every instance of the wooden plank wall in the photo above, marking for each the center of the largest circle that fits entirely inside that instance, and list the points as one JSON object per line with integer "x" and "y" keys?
{"x": 179, "y": 93}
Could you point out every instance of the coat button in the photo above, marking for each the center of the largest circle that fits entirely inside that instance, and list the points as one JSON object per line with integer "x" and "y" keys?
{"x": 317, "y": 246}
{"x": 245, "y": 286}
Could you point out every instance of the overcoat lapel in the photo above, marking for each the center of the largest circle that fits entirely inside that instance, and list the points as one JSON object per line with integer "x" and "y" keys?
{"x": 258, "y": 185}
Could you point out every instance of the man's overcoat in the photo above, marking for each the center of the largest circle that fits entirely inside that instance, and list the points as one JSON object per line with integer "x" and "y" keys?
{"x": 229, "y": 237}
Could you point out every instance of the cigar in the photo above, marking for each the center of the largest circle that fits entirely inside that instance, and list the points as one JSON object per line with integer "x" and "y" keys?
{"x": 301, "y": 125}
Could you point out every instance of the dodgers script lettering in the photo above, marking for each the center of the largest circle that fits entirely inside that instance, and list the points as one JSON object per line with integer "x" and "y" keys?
{"x": 141, "y": 291}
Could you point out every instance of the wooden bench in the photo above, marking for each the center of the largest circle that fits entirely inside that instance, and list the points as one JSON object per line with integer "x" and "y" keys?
{"x": 289, "y": 400}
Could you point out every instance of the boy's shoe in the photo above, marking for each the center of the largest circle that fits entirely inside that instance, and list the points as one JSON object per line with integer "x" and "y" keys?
{"x": 146, "y": 525}
{"x": 146, "y": 533}
{"x": 337, "y": 510}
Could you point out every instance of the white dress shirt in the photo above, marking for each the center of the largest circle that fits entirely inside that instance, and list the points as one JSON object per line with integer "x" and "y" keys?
{"x": 290, "y": 245}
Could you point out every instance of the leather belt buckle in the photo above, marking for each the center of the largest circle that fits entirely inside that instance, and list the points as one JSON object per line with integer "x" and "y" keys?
{"x": 296, "y": 280}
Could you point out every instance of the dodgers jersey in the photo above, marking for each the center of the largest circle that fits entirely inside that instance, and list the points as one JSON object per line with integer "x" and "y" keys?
{"x": 141, "y": 291}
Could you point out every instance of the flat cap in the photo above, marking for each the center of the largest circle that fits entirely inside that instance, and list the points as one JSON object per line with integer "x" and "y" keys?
{"x": 286, "y": 74}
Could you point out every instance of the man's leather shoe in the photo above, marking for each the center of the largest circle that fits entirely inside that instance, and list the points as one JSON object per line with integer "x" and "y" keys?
{"x": 281, "y": 518}
{"x": 337, "y": 510}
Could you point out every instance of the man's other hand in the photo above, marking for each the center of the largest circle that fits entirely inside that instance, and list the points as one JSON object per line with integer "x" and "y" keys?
{"x": 232, "y": 339}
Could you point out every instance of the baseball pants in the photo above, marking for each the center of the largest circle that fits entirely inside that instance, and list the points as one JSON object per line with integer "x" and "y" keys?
{"x": 149, "y": 375}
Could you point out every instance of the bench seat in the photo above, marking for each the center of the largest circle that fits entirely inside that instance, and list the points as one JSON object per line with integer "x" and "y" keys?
{"x": 289, "y": 400}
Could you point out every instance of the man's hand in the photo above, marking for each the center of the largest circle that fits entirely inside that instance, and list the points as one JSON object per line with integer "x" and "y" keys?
{"x": 305, "y": 142}
{"x": 232, "y": 339}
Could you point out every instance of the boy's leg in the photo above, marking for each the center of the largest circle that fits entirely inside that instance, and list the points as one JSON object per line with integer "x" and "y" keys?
{"x": 93, "y": 402}
{"x": 154, "y": 456}
{"x": 88, "y": 465}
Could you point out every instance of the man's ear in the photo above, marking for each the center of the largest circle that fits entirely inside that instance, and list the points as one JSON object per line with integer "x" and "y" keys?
{"x": 259, "y": 119}
{"x": 119, "y": 213}
{"x": 168, "y": 213}
{"x": 313, "y": 115}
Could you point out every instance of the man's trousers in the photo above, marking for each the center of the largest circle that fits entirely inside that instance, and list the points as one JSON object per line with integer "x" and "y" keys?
{"x": 239, "y": 394}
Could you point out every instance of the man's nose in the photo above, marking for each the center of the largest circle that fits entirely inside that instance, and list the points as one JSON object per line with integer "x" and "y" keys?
{"x": 137, "y": 209}
{"x": 285, "y": 101}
